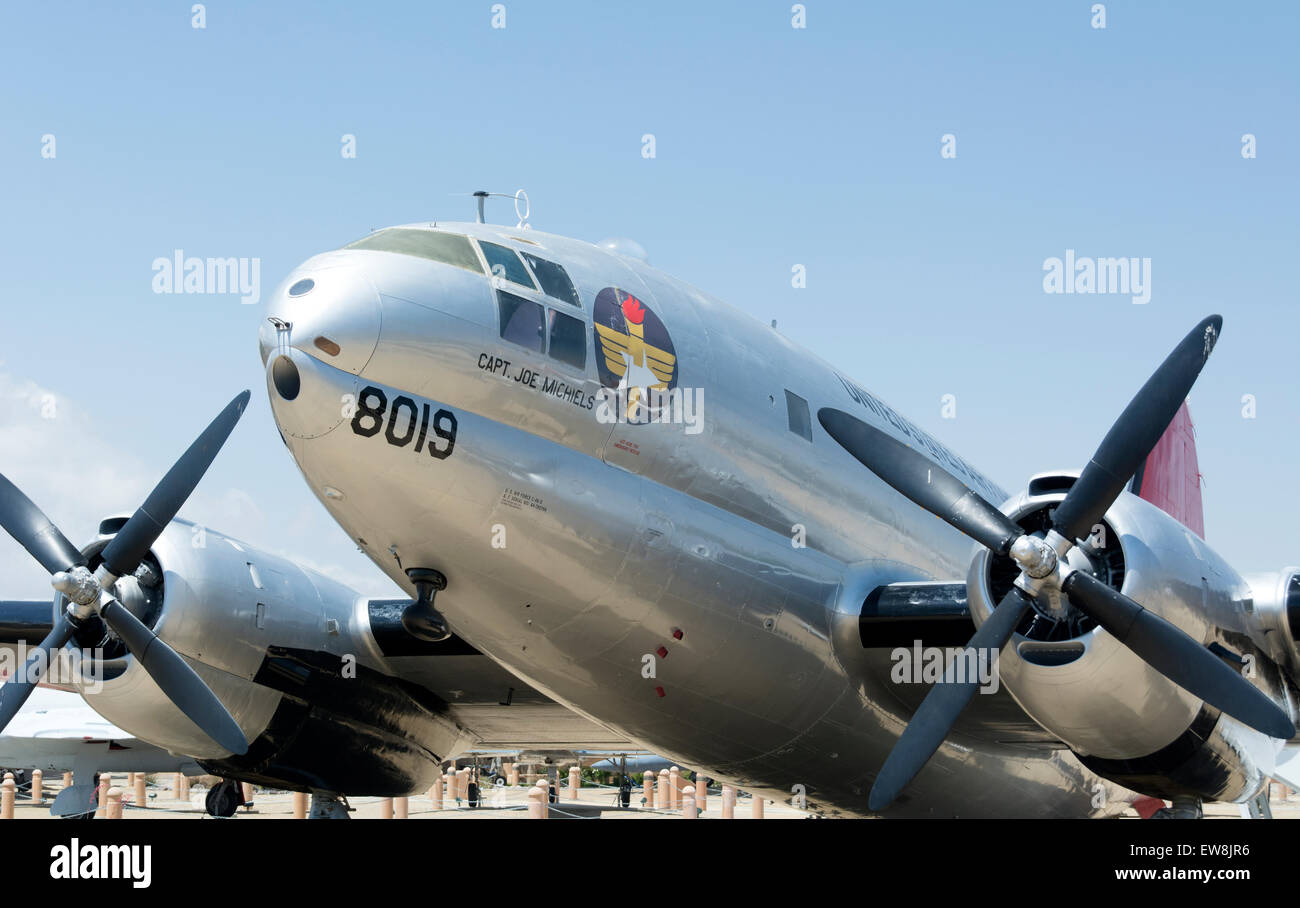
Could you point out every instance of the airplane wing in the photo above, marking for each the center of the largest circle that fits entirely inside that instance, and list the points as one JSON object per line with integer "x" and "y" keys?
{"x": 57, "y": 732}
{"x": 1287, "y": 767}
{"x": 497, "y": 709}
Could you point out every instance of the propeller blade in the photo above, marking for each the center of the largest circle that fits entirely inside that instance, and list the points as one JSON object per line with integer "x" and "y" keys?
{"x": 912, "y": 474}
{"x": 173, "y": 675}
{"x": 14, "y": 693}
{"x": 122, "y": 555}
{"x": 34, "y": 531}
{"x": 1130, "y": 440}
{"x": 1176, "y": 655}
{"x": 941, "y": 707}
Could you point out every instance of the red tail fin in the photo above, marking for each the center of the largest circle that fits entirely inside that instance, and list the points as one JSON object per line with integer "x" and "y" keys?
{"x": 1171, "y": 479}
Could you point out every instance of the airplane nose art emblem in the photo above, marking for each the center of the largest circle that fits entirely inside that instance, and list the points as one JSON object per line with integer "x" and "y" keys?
{"x": 636, "y": 352}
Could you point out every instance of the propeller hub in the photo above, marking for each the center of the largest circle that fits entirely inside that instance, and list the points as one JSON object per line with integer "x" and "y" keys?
{"x": 1046, "y": 591}
{"x": 1035, "y": 556}
{"x": 79, "y": 585}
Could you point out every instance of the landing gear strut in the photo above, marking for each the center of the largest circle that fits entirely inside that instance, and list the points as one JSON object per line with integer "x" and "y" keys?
{"x": 420, "y": 618}
{"x": 1257, "y": 808}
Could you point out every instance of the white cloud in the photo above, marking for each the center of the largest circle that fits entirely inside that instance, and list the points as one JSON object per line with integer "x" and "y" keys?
{"x": 54, "y": 450}
{"x": 51, "y": 449}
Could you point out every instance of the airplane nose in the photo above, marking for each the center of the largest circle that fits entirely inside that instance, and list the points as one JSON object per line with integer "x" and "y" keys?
{"x": 328, "y": 309}
{"x": 308, "y": 399}
{"x": 321, "y": 329}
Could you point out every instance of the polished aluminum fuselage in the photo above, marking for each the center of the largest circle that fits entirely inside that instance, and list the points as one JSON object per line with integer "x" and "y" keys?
{"x": 698, "y": 593}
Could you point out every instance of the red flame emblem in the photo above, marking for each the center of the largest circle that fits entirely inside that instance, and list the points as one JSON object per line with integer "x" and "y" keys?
{"x": 633, "y": 311}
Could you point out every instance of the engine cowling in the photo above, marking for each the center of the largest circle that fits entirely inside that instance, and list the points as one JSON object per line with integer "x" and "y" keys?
{"x": 1276, "y": 613}
{"x": 292, "y": 656}
{"x": 1124, "y": 719}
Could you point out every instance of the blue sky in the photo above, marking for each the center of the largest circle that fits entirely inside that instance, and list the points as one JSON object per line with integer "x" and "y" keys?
{"x": 775, "y": 146}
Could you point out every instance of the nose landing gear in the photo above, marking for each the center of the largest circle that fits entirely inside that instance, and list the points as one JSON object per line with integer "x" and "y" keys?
{"x": 421, "y": 619}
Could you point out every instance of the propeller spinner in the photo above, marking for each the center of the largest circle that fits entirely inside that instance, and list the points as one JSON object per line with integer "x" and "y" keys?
{"x": 1043, "y": 565}
{"x": 91, "y": 592}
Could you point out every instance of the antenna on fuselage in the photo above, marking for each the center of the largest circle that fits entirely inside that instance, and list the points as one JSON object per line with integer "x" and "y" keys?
{"x": 520, "y": 196}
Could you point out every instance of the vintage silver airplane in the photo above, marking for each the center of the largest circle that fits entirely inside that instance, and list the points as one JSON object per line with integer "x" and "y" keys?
{"x": 666, "y": 517}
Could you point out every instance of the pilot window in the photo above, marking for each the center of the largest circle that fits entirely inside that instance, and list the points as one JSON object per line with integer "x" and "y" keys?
{"x": 448, "y": 248}
{"x": 504, "y": 262}
{"x": 521, "y": 321}
{"x": 797, "y": 411}
{"x": 554, "y": 279}
{"x": 568, "y": 339}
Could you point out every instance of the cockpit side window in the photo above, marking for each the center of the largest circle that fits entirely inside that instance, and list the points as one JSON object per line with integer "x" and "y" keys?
{"x": 448, "y": 248}
{"x": 797, "y": 413}
{"x": 568, "y": 339}
{"x": 554, "y": 279}
{"x": 521, "y": 321}
{"x": 504, "y": 262}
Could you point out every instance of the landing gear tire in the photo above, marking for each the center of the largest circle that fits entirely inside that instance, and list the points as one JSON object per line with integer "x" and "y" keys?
{"x": 224, "y": 799}
{"x": 326, "y": 805}
{"x": 1181, "y": 808}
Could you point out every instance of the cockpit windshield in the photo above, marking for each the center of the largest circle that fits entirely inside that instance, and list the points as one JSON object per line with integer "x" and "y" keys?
{"x": 448, "y": 248}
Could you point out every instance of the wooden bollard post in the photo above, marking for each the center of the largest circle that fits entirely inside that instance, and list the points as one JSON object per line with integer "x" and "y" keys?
{"x": 648, "y": 789}
{"x": 38, "y": 787}
{"x": 575, "y": 782}
{"x": 536, "y": 803}
{"x": 435, "y": 793}
{"x": 757, "y": 807}
{"x": 7, "y": 788}
{"x": 689, "y": 811}
{"x": 701, "y": 792}
{"x": 105, "y": 783}
{"x": 300, "y": 805}
{"x": 674, "y": 788}
{"x": 449, "y": 784}
{"x": 114, "y": 809}
{"x": 140, "y": 794}
{"x": 401, "y": 808}
{"x": 386, "y": 809}
{"x": 661, "y": 790}
{"x": 728, "y": 801}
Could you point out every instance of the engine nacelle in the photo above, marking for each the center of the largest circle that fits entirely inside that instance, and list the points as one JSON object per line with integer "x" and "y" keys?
{"x": 1276, "y": 626}
{"x": 1124, "y": 719}
{"x": 292, "y": 656}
